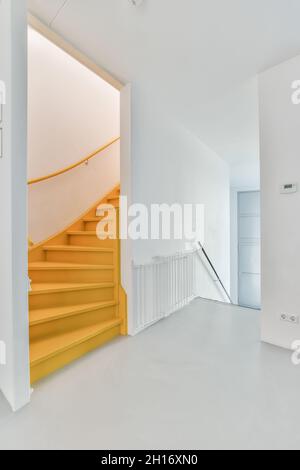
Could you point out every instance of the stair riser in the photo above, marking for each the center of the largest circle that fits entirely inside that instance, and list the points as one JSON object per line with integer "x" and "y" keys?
{"x": 80, "y": 257}
{"x": 74, "y": 322}
{"x": 69, "y": 276}
{"x": 87, "y": 240}
{"x": 47, "y": 367}
{"x": 90, "y": 226}
{"x": 70, "y": 298}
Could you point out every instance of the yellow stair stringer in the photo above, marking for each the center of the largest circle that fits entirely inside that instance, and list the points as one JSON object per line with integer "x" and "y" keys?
{"x": 96, "y": 314}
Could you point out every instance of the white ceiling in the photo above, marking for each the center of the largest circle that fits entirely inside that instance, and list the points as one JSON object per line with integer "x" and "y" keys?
{"x": 199, "y": 56}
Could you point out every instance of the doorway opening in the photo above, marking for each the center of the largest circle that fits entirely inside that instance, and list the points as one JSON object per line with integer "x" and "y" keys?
{"x": 245, "y": 247}
{"x": 76, "y": 299}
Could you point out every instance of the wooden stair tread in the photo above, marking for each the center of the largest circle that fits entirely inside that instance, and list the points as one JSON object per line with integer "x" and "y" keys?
{"x": 45, "y": 288}
{"x": 97, "y": 219}
{"x": 83, "y": 232}
{"x": 92, "y": 219}
{"x": 48, "y": 265}
{"x": 56, "y": 313}
{"x": 47, "y": 348}
{"x": 72, "y": 248}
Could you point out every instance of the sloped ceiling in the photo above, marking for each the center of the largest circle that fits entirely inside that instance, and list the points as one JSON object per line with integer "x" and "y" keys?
{"x": 200, "y": 57}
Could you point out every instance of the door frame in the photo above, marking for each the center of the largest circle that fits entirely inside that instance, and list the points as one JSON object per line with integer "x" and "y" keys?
{"x": 14, "y": 331}
{"x": 238, "y": 242}
{"x": 234, "y": 238}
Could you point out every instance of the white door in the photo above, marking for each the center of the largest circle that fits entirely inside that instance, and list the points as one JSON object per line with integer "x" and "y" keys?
{"x": 249, "y": 249}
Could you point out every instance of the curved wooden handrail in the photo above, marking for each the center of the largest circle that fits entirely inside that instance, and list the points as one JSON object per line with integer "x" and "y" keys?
{"x": 75, "y": 165}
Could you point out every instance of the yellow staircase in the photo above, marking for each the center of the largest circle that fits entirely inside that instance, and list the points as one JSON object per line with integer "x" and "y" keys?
{"x": 76, "y": 302}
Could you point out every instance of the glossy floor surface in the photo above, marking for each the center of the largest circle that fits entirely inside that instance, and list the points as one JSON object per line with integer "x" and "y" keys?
{"x": 200, "y": 379}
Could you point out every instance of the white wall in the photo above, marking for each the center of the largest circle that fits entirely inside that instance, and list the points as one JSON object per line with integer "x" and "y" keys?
{"x": 170, "y": 165}
{"x": 72, "y": 112}
{"x": 14, "y": 377}
{"x": 280, "y": 164}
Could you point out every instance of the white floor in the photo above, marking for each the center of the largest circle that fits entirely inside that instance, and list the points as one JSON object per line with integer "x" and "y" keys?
{"x": 200, "y": 379}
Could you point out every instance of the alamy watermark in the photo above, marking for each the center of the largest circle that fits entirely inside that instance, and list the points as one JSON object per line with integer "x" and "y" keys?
{"x": 296, "y": 354}
{"x": 296, "y": 93}
{"x": 155, "y": 222}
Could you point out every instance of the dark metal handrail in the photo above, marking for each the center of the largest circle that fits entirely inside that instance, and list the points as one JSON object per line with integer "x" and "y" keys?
{"x": 214, "y": 270}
